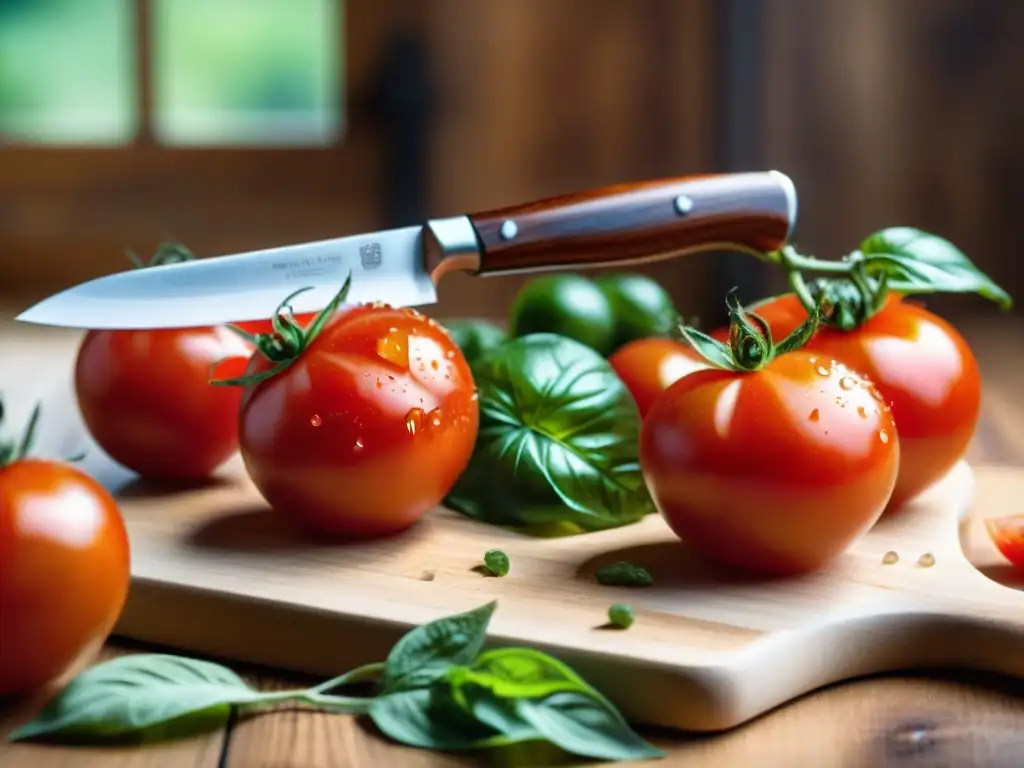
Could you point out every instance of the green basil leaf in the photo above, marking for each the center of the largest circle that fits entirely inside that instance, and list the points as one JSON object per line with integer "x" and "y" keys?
{"x": 425, "y": 653}
{"x": 426, "y": 718}
{"x": 586, "y": 725}
{"x": 519, "y": 691}
{"x": 920, "y": 262}
{"x": 475, "y": 337}
{"x": 140, "y": 695}
{"x": 557, "y": 441}
{"x": 519, "y": 673}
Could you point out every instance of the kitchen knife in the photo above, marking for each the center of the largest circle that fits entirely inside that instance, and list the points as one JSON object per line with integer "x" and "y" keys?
{"x": 613, "y": 226}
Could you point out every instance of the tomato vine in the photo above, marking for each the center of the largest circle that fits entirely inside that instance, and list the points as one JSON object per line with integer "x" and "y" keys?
{"x": 904, "y": 260}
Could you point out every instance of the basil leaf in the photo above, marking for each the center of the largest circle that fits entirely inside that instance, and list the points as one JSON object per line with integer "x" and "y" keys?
{"x": 519, "y": 691}
{"x": 585, "y": 725}
{"x": 425, "y": 653}
{"x": 426, "y": 718}
{"x": 557, "y": 440}
{"x": 520, "y": 673}
{"x": 920, "y": 262}
{"x": 475, "y": 336}
{"x": 139, "y": 695}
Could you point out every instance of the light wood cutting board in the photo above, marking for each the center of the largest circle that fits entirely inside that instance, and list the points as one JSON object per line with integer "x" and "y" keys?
{"x": 217, "y": 572}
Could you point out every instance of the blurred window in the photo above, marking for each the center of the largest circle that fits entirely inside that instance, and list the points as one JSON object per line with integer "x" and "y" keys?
{"x": 67, "y": 71}
{"x": 245, "y": 71}
{"x": 220, "y": 72}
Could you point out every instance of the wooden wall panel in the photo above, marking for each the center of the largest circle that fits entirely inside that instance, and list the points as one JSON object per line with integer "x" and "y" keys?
{"x": 538, "y": 98}
{"x": 907, "y": 112}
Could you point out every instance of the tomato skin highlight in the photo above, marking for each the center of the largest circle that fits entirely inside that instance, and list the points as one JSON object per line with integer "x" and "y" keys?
{"x": 64, "y": 571}
{"x": 145, "y": 398}
{"x": 650, "y": 366}
{"x": 775, "y": 471}
{"x": 367, "y": 430}
{"x": 923, "y": 368}
{"x": 1007, "y": 533}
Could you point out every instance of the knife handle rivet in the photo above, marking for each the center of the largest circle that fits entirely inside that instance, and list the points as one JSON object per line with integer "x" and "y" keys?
{"x": 509, "y": 229}
{"x": 682, "y": 204}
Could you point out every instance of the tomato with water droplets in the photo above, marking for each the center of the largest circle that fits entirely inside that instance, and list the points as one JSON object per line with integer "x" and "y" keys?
{"x": 366, "y": 429}
{"x": 773, "y": 470}
{"x": 650, "y": 366}
{"x": 923, "y": 368}
{"x": 1007, "y": 534}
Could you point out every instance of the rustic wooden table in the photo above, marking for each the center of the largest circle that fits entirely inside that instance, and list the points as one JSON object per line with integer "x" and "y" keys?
{"x": 911, "y": 721}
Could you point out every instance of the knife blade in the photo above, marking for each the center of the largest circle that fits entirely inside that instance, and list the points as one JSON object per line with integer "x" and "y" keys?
{"x": 621, "y": 225}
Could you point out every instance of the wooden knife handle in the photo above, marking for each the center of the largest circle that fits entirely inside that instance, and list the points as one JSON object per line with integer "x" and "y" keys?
{"x": 636, "y": 223}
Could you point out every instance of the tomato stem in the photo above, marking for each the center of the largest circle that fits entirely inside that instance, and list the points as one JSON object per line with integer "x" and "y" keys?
{"x": 751, "y": 346}
{"x": 11, "y": 451}
{"x": 166, "y": 253}
{"x": 287, "y": 340}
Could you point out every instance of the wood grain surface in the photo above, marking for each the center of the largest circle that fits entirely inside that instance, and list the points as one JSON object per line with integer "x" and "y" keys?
{"x": 892, "y": 720}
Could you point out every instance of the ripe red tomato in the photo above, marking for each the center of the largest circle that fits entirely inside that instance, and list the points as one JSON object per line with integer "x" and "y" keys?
{"x": 367, "y": 429}
{"x": 922, "y": 367}
{"x": 1008, "y": 535}
{"x": 649, "y": 366}
{"x": 774, "y": 471}
{"x": 146, "y": 400}
{"x": 64, "y": 571}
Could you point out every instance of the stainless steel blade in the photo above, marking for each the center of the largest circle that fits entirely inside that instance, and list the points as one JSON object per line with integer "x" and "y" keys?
{"x": 386, "y": 266}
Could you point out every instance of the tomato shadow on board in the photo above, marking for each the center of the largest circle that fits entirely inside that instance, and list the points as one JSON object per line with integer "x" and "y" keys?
{"x": 673, "y": 565}
{"x": 150, "y": 488}
{"x": 255, "y": 528}
{"x": 1003, "y": 574}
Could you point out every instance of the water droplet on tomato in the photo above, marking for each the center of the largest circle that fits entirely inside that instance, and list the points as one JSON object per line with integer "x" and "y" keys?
{"x": 358, "y": 446}
{"x": 315, "y": 420}
{"x": 450, "y": 354}
{"x": 823, "y": 370}
{"x": 392, "y": 329}
{"x": 434, "y": 364}
{"x": 847, "y": 383}
{"x": 883, "y": 436}
{"x": 435, "y": 417}
{"x": 475, "y": 396}
{"x": 394, "y": 349}
{"x": 814, "y": 415}
{"x": 861, "y": 412}
{"x": 414, "y": 420}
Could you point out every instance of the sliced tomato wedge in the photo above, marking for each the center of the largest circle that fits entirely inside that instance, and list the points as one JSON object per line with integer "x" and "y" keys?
{"x": 1008, "y": 535}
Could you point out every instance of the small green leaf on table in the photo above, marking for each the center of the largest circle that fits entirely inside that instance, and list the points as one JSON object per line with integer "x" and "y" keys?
{"x": 623, "y": 574}
{"x": 424, "y": 654}
{"x": 140, "y": 694}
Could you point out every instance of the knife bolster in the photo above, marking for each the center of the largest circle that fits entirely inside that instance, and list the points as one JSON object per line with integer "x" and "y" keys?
{"x": 450, "y": 245}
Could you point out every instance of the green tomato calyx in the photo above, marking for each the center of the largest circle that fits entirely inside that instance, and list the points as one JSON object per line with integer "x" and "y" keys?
{"x": 751, "y": 346}
{"x": 166, "y": 253}
{"x": 288, "y": 340}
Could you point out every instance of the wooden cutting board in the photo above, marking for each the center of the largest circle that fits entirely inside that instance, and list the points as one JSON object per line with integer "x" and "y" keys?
{"x": 215, "y": 571}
